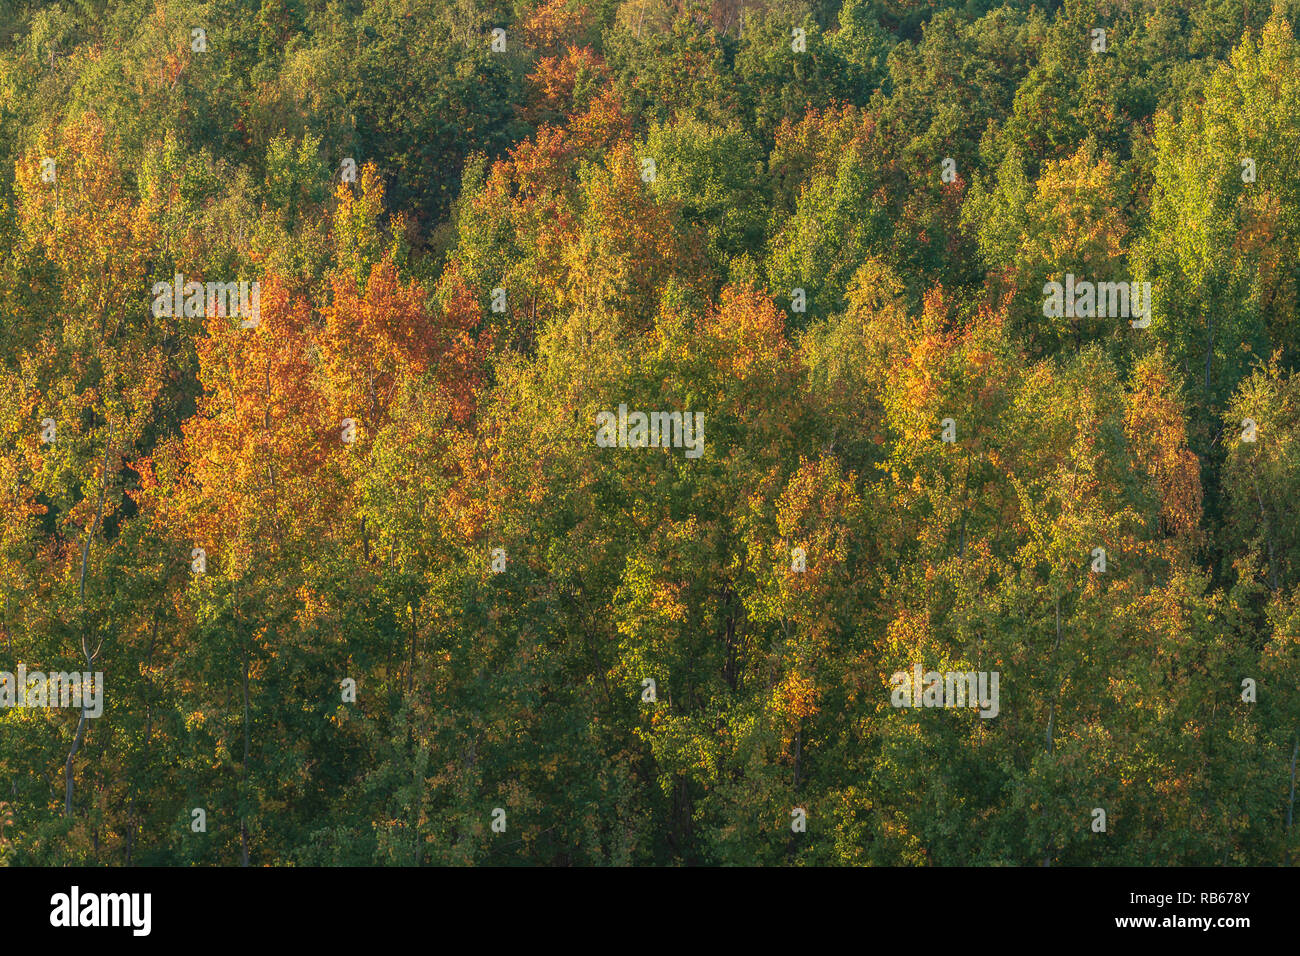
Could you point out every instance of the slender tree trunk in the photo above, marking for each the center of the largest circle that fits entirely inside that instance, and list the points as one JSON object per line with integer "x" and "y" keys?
{"x": 243, "y": 823}
{"x": 1209, "y": 350}
{"x": 87, "y": 654}
{"x": 1290, "y": 807}
{"x": 134, "y": 815}
{"x": 798, "y": 755}
{"x": 1051, "y": 714}
{"x": 1268, "y": 535}
{"x": 270, "y": 467}
{"x": 410, "y": 670}
{"x": 67, "y": 767}
{"x": 965, "y": 509}
{"x": 729, "y": 667}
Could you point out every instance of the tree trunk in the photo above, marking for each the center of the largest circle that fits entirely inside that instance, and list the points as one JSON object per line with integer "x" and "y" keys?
{"x": 410, "y": 670}
{"x": 1051, "y": 714}
{"x": 1209, "y": 350}
{"x": 243, "y": 823}
{"x": 68, "y": 779}
{"x": 1290, "y": 807}
{"x": 1268, "y": 537}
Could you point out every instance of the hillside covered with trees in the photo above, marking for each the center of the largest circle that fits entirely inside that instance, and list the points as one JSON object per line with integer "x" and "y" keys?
{"x": 985, "y": 313}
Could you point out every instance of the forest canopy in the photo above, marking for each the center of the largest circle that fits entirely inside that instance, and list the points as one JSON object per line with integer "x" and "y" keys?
{"x": 570, "y": 432}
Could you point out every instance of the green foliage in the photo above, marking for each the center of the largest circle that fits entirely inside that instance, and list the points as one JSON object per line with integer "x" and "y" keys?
{"x": 393, "y": 476}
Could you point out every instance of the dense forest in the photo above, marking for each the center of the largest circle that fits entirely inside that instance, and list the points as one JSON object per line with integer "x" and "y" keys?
{"x": 967, "y": 337}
